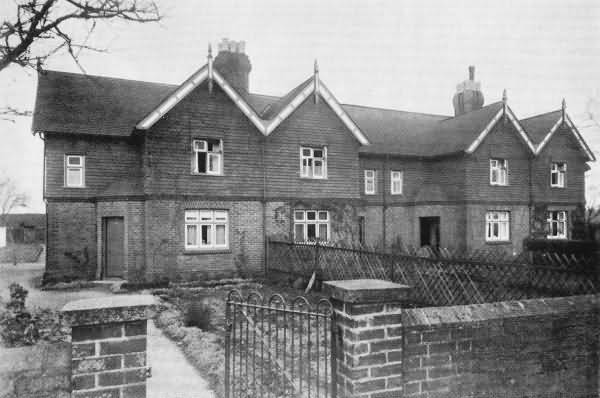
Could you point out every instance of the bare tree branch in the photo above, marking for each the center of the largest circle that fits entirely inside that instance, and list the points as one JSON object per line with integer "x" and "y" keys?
{"x": 10, "y": 197}
{"x": 43, "y": 20}
{"x": 8, "y": 113}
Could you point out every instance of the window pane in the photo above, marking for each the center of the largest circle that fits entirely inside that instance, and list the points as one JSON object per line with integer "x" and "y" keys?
{"x": 311, "y": 231}
{"x": 214, "y": 161}
{"x": 299, "y": 232}
{"x": 74, "y": 177}
{"x": 494, "y": 177}
{"x": 220, "y": 234}
{"x": 206, "y": 215}
{"x": 322, "y": 215}
{"x": 221, "y": 215}
{"x": 192, "y": 235}
{"x": 206, "y": 232}
{"x": 311, "y": 215}
{"x": 199, "y": 145}
{"x": 201, "y": 162}
{"x": 191, "y": 215}
{"x": 74, "y": 160}
{"x": 323, "y": 231}
{"x": 318, "y": 168}
{"x": 298, "y": 215}
{"x": 318, "y": 153}
{"x": 495, "y": 230}
{"x": 306, "y": 152}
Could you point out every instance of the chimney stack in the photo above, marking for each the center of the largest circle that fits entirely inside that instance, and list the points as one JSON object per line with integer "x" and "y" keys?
{"x": 233, "y": 63}
{"x": 468, "y": 95}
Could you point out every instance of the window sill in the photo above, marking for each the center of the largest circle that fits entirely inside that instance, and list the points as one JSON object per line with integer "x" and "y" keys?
{"x": 313, "y": 178}
{"x": 499, "y": 185}
{"x": 70, "y": 187}
{"x": 556, "y": 237}
{"x": 556, "y": 187}
{"x": 194, "y": 252}
{"x": 207, "y": 174}
{"x": 497, "y": 242}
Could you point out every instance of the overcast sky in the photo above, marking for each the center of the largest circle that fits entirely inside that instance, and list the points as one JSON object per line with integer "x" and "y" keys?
{"x": 406, "y": 55}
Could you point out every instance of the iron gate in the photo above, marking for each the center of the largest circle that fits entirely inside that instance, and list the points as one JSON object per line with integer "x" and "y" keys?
{"x": 278, "y": 349}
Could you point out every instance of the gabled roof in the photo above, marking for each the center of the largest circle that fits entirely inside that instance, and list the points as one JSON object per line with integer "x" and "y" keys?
{"x": 266, "y": 125}
{"x": 96, "y": 105}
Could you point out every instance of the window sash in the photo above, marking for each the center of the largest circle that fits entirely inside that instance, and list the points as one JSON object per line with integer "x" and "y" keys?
{"x": 557, "y": 174}
{"x": 498, "y": 172}
{"x": 212, "y": 158}
{"x": 396, "y": 182}
{"x": 74, "y": 171}
{"x": 311, "y": 225}
{"x": 497, "y": 226}
{"x": 557, "y": 224}
{"x": 370, "y": 182}
{"x": 206, "y": 229}
{"x": 313, "y": 162}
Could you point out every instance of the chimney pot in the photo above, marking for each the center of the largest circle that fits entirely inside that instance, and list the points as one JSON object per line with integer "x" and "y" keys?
{"x": 233, "y": 63}
{"x": 472, "y": 72}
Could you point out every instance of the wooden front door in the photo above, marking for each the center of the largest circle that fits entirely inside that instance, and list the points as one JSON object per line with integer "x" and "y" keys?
{"x": 114, "y": 246}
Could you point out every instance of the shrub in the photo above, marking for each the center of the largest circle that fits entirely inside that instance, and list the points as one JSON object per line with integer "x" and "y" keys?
{"x": 582, "y": 247}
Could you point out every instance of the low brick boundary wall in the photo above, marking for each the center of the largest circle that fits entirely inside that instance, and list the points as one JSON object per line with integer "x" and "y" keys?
{"x": 529, "y": 348}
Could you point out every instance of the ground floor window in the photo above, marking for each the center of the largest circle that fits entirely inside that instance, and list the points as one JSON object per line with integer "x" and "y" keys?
{"x": 206, "y": 229}
{"x": 497, "y": 226}
{"x": 311, "y": 225}
{"x": 557, "y": 224}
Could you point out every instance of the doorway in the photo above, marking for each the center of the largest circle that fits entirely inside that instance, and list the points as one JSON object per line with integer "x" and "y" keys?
{"x": 430, "y": 231}
{"x": 114, "y": 247}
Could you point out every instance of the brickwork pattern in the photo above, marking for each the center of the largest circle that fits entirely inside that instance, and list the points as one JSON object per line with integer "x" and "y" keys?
{"x": 370, "y": 349}
{"x": 109, "y": 360}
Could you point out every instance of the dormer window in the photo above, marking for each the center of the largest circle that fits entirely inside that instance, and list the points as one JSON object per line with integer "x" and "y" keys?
{"x": 74, "y": 171}
{"x": 498, "y": 172}
{"x": 313, "y": 162}
{"x": 207, "y": 156}
{"x": 558, "y": 172}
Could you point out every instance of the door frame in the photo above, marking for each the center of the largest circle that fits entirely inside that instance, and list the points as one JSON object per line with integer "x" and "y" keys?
{"x": 428, "y": 221}
{"x": 104, "y": 271}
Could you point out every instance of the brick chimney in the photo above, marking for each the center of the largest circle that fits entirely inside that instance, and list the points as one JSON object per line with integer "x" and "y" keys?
{"x": 233, "y": 63}
{"x": 468, "y": 95}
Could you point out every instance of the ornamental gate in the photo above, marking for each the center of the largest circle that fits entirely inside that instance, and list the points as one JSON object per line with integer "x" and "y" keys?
{"x": 278, "y": 349}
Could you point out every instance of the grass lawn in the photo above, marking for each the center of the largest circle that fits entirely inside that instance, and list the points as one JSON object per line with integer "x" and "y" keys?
{"x": 184, "y": 307}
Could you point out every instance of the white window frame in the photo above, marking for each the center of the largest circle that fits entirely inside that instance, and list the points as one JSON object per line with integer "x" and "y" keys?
{"x": 308, "y": 170}
{"x": 500, "y": 166}
{"x": 201, "y": 145}
{"x": 500, "y": 218}
{"x": 77, "y": 167}
{"x": 560, "y": 169}
{"x": 396, "y": 176}
{"x": 561, "y": 218}
{"x": 370, "y": 182}
{"x": 211, "y": 219}
{"x": 301, "y": 217}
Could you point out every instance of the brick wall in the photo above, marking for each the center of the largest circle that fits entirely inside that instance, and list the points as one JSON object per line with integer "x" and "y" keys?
{"x": 475, "y": 225}
{"x": 509, "y": 349}
{"x": 540, "y": 347}
{"x": 165, "y": 246}
{"x": 71, "y": 250}
{"x": 42, "y": 370}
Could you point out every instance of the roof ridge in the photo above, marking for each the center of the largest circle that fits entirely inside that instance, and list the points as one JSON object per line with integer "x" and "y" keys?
{"x": 540, "y": 115}
{"x": 397, "y": 110}
{"x": 107, "y": 77}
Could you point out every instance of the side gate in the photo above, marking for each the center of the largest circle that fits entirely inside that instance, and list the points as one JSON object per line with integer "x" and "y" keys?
{"x": 275, "y": 348}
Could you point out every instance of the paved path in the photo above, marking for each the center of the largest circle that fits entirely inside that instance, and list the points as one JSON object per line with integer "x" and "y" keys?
{"x": 172, "y": 375}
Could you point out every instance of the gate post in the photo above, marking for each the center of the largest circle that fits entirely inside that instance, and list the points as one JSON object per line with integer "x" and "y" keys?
{"x": 369, "y": 333}
{"x": 108, "y": 337}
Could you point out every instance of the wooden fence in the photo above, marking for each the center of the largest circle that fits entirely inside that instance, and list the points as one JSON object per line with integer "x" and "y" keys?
{"x": 441, "y": 278}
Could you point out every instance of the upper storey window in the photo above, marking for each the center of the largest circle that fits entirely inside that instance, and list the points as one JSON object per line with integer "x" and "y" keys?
{"x": 313, "y": 162}
{"x": 396, "y": 182}
{"x": 75, "y": 171}
{"x": 370, "y": 182}
{"x": 558, "y": 171}
{"x": 207, "y": 156}
{"x": 498, "y": 172}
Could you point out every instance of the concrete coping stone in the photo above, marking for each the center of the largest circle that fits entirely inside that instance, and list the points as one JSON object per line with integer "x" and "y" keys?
{"x": 359, "y": 291}
{"x": 429, "y": 316}
{"x": 111, "y": 309}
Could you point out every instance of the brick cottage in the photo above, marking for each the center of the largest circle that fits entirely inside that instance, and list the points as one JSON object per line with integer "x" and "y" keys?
{"x": 147, "y": 180}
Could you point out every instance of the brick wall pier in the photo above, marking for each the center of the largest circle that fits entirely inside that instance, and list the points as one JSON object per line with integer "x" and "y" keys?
{"x": 109, "y": 346}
